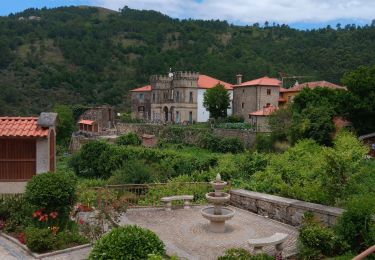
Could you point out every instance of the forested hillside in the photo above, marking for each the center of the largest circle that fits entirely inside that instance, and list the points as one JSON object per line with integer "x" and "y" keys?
{"x": 82, "y": 55}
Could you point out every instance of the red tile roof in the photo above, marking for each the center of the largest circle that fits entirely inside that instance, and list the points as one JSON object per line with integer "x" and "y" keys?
{"x": 86, "y": 122}
{"x": 206, "y": 82}
{"x": 142, "y": 89}
{"x": 265, "y": 111}
{"x": 314, "y": 84}
{"x": 283, "y": 90}
{"x": 21, "y": 127}
{"x": 265, "y": 81}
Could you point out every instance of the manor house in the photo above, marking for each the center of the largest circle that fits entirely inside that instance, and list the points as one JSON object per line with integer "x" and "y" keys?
{"x": 176, "y": 97}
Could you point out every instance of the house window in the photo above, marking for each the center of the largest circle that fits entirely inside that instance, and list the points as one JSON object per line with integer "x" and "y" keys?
{"x": 141, "y": 96}
{"x": 191, "y": 97}
{"x": 141, "y": 109}
{"x": 268, "y": 91}
{"x": 153, "y": 97}
{"x": 190, "y": 117}
{"x": 178, "y": 116}
{"x": 177, "y": 96}
{"x": 243, "y": 91}
{"x": 268, "y": 104}
{"x": 242, "y": 105}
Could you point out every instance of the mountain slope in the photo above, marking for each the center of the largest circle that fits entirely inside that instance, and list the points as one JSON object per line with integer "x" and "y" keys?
{"x": 91, "y": 55}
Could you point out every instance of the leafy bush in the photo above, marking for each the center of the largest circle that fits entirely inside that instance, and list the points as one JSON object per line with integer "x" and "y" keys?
{"x": 243, "y": 254}
{"x": 317, "y": 240}
{"x": 356, "y": 226}
{"x": 264, "y": 143}
{"x": 96, "y": 159}
{"x": 242, "y": 126}
{"x": 39, "y": 240}
{"x": 222, "y": 145}
{"x": 129, "y": 139}
{"x": 52, "y": 191}
{"x": 129, "y": 242}
{"x": 133, "y": 171}
{"x": 15, "y": 212}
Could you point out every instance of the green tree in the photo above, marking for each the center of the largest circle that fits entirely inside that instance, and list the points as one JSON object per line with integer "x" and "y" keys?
{"x": 361, "y": 101}
{"x": 217, "y": 100}
{"x": 66, "y": 124}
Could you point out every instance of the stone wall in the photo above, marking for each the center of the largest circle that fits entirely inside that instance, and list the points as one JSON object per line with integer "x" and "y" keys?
{"x": 248, "y": 137}
{"x": 289, "y": 211}
{"x": 190, "y": 135}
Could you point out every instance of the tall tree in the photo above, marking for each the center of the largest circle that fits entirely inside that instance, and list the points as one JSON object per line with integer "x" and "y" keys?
{"x": 66, "y": 125}
{"x": 361, "y": 101}
{"x": 217, "y": 100}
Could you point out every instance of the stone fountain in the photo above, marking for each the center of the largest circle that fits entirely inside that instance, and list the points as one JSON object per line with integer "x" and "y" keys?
{"x": 217, "y": 214}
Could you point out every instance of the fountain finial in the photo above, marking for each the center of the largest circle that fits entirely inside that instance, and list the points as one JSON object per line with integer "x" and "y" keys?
{"x": 218, "y": 177}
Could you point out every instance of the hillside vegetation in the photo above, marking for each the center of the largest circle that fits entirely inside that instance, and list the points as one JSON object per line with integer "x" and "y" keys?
{"x": 87, "y": 55}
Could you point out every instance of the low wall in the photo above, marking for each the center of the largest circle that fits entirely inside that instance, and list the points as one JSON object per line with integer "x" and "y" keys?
{"x": 288, "y": 211}
{"x": 247, "y": 137}
{"x": 187, "y": 135}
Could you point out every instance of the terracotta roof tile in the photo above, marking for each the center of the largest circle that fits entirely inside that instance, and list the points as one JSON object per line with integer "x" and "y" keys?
{"x": 265, "y": 81}
{"x": 142, "y": 89}
{"x": 205, "y": 82}
{"x": 314, "y": 84}
{"x": 265, "y": 111}
{"x": 21, "y": 127}
{"x": 86, "y": 122}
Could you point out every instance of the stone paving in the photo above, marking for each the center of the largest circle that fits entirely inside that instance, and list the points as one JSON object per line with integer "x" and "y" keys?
{"x": 184, "y": 231}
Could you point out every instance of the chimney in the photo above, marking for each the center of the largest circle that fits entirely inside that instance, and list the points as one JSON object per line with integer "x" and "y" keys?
{"x": 239, "y": 79}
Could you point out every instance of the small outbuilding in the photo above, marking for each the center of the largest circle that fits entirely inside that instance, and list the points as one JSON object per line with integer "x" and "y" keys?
{"x": 369, "y": 139}
{"x": 27, "y": 148}
{"x": 88, "y": 126}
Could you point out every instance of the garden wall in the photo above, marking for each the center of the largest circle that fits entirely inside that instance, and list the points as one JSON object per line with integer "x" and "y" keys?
{"x": 248, "y": 137}
{"x": 188, "y": 135}
{"x": 288, "y": 211}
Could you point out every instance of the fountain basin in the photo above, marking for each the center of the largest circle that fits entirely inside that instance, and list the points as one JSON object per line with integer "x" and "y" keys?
{"x": 214, "y": 199}
{"x": 217, "y": 222}
{"x": 218, "y": 185}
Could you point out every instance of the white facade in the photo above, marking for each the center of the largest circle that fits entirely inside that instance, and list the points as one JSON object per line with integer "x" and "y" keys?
{"x": 202, "y": 114}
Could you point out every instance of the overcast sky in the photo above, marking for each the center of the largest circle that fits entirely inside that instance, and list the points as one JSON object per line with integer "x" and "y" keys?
{"x": 298, "y": 13}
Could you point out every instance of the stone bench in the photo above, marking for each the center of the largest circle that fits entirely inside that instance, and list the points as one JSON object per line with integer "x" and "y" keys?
{"x": 276, "y": 239}
{"x": 168, "y": 201}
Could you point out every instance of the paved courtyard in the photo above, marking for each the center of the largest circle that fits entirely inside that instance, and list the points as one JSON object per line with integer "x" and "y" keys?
{"x": 184, "y": 231}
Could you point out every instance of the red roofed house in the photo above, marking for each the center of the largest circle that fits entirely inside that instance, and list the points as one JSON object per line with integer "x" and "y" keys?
{"x": 287, "y": 94}
{"x": 27, "y": 147}
{"x": 176, "y": 97}
{"x": 259, "y": 118}
{"x": 253, "y": 96}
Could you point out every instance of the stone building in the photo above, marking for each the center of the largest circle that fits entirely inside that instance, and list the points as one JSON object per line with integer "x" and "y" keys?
{"x": 141, "y": 102}
{"x": 287, "y": 94}
{"x": 176, "y": 97}
{"x": 102, "y": 116}
{"x": 254, "y": 95}
{"x": 259, "y": 119}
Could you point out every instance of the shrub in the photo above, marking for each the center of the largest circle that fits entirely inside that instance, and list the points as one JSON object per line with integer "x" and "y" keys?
{"x": 264, "y": 143}
{"x": 242, "y": 254}
{"x": 96, "y": 159}
{"x": 356, "y": 225}
{"x": 129, "y": 139}
{"x": 129, "y": 242}
{"x": 39, "y": 240}
{"x": 15, "y": 212}
{"x": 222, "y": 145}
{"x": 133, "y": 171}
{"x": 52, "y": 192}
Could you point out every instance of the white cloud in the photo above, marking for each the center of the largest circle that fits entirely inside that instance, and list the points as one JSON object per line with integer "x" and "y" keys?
{"x": 251, "y": 11}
